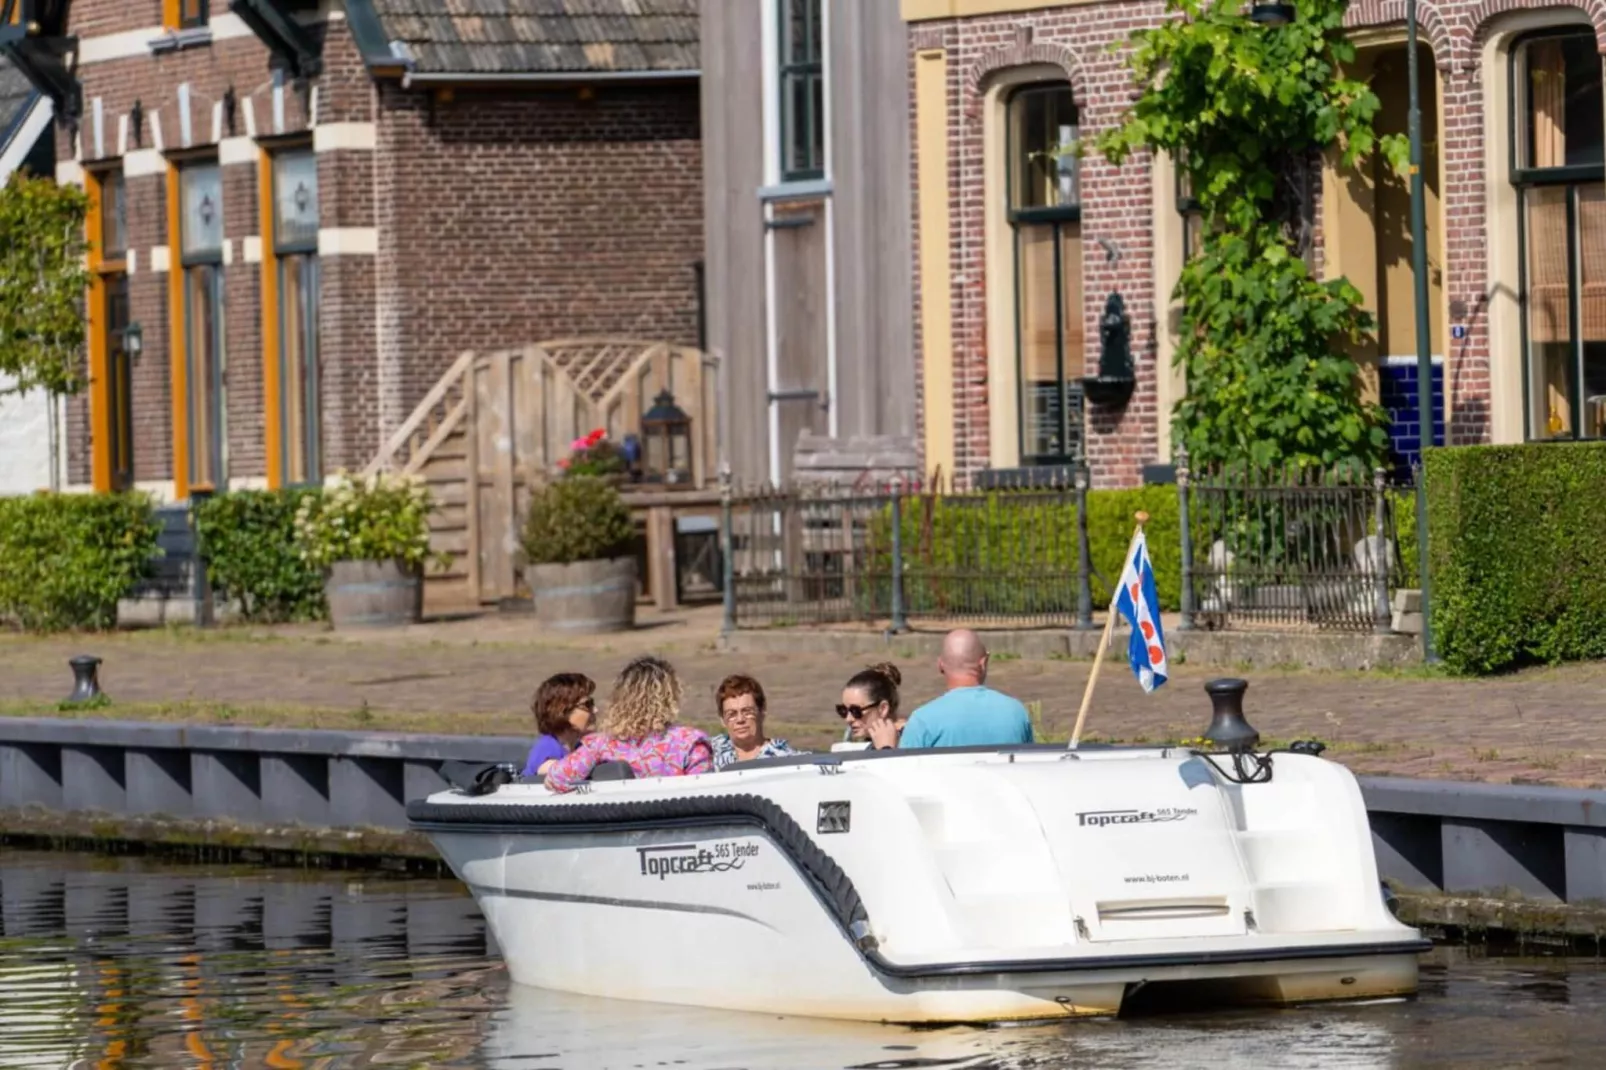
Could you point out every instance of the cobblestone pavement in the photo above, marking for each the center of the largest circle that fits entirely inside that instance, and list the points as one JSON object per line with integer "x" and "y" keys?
{"x": 1541, "y": 726}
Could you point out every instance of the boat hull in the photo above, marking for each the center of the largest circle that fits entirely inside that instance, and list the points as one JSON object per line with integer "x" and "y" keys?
{"x": 724, "y": 899}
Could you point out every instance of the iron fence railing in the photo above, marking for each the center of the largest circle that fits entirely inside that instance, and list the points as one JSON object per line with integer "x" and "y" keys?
{"x": 1285, "y": 549}
{"x": 1306, "y": 549}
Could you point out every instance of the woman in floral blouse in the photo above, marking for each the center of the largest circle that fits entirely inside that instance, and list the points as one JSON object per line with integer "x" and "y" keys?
{"x": 638, "y": 728}
{"x": 741, "y": 711}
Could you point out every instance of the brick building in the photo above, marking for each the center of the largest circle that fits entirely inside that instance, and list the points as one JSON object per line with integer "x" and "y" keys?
{"x": 309, "y": 209}
{"x": 1019, "y": 244}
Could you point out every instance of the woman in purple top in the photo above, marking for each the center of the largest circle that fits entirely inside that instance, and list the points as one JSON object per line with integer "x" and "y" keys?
{"x": 638, "y": 728}
{"x": 564, "y": 709}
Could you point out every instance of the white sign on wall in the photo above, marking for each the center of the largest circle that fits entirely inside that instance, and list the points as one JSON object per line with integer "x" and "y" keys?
{"x": 24, "y": 441}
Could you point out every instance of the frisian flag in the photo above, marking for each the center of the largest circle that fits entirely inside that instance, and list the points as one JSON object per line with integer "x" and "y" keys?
{"x": 1139, "y": 603}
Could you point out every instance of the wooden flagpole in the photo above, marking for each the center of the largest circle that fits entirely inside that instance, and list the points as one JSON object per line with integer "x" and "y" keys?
{"x": 1104, "y": 642}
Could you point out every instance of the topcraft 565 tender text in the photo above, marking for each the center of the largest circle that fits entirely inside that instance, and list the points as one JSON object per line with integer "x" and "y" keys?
{"x": 964, "y": 885}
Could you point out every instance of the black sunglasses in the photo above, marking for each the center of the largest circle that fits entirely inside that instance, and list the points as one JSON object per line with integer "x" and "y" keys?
{"x": 845, "y": 712}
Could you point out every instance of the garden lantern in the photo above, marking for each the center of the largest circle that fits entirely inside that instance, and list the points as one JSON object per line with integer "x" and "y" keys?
{"x": 666, "y": 431}
{"x": 133, "y": 341}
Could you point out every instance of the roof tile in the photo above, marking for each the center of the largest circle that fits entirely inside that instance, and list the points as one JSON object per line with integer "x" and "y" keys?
{"x": 544, "y": 36}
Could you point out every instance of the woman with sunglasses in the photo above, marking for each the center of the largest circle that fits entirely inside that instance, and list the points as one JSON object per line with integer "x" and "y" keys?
{"x": 741, "y": 711}
{"x": 870, "y": 706}
{"x": 564, "y": 708}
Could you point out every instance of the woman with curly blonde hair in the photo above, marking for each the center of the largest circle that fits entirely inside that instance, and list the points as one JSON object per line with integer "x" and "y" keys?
{"x": 638, "y": 728}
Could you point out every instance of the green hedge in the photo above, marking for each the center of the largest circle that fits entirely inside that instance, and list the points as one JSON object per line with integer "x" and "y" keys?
{"x": 1016, "y": 553}
{"x": 1518, "y": 553}
{"x": 66, "y": 559}
{"x": 253, "y": 559}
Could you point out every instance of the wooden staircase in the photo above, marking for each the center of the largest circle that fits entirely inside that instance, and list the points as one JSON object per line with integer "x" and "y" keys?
{"x": 497, "y": 423}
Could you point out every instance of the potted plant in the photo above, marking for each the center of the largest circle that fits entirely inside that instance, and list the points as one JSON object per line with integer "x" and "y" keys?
{"x": 580, "y": 565}
{"x": 370, "y": 536}
{"x": 594, "y": 455}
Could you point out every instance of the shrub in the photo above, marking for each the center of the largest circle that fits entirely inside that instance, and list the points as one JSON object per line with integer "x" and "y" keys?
{"x": 382, "y": 517}
{"x": 1518, "y": 553}
{"x": 1012, "y": 552}
{"x": 252, "y": 556}
{"x": 43, "y": 275}
{"x": 68, "y": 559}
{"x": 578, "y": 518}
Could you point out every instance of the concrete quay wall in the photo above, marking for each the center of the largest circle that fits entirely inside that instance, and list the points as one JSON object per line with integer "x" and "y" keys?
{"x": 1470, "y": 854}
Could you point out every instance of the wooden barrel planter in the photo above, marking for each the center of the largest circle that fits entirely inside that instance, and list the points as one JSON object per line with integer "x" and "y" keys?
{"x": 373, "y": 594}
{"x": 586, "y": 596}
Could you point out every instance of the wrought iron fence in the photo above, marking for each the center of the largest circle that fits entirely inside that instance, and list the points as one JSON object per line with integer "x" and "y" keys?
{"x": 888, "y": 553}
{"x": 1302, "y": 548}
{"x": 1284, "y": 549}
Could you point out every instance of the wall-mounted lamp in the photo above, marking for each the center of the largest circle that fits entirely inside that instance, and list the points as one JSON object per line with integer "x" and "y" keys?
{"x": 133, "y": 341}
{"x": 1272, "y": 14}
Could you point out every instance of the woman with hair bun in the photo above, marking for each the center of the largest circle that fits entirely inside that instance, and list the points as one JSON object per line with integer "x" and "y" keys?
{"x": 870, "y": 706}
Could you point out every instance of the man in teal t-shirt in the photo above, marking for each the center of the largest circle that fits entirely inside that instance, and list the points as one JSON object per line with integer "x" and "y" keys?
{"x": 970, "y": 714}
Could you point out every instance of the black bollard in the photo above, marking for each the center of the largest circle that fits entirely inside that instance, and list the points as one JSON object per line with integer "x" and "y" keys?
{"x": 1228, "y": 728}
{"x": 85, "y": 678}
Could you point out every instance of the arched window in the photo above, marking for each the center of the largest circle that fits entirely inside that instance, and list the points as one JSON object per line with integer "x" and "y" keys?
{"x": 1045, "y": 215}
{"x": 1560, "y": 172}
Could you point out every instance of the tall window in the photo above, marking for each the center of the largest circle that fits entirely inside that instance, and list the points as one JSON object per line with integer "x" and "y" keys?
{"x": 1046, "y": 217}
{"x": 802, "y": 91}
{"x": 295, "y": 247}
{"x": 110, "y": 292}
{"x": 201, "y": 245}
{"x": 1560, "y": 174}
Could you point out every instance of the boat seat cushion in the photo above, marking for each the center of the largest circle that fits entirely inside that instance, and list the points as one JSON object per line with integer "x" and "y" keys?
{"x": 612, "y": 771}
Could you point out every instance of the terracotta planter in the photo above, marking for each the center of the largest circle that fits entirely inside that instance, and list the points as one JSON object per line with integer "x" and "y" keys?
{"x": 586, "y": 596}
{"x": 373, "y": 594}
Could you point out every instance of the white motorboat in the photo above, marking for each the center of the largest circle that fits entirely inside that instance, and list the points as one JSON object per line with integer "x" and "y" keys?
{"x": 927, "y": 886}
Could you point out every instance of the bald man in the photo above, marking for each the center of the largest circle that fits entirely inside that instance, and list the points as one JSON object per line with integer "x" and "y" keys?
{"x": 969, "y": 713}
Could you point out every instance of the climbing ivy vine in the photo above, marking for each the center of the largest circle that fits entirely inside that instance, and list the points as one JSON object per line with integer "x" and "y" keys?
{"x": 42, "y": 282}
{"x": 1247, "y": 111}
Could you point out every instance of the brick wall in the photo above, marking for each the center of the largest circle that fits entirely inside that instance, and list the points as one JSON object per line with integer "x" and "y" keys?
{"x": 502, "y": 219}
{"x": 511, "y": 218}
{"x": 240, "y": 63}
{"x": 1117, "y": 202}
{"x": 1115, "y": 207}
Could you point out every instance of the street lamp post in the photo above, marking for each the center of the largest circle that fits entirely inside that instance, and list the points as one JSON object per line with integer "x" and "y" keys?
{"x": 1424, "y": 342}
{"x": 1279, "y": 14}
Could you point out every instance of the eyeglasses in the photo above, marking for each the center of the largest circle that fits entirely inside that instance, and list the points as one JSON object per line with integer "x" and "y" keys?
{"x": 749, "y": 712}
{"x": 586, "y": 704}
{"x": 855, "y": 712}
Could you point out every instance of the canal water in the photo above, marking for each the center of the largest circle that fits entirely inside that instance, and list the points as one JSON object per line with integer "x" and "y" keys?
{"x": 118, "y": 962}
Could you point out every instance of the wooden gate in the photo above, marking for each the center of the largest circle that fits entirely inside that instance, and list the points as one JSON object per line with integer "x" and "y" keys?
{"x": 497, "y": 423}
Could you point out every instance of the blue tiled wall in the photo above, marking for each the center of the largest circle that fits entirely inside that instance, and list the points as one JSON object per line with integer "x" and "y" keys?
{"x": 1397, "y": 386}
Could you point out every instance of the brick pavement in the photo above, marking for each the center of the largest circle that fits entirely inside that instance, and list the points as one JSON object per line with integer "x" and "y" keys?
{"x": 1539, "y": 726}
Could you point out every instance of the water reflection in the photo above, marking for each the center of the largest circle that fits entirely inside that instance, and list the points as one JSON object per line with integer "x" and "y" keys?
{"x": 122, "y": 963}
{"x": 109, "y": 962}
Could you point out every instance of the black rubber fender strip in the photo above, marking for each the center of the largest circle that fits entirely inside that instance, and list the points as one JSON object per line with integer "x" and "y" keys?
{"x": 832, "y": 885}
{"x": 834, "y": 888}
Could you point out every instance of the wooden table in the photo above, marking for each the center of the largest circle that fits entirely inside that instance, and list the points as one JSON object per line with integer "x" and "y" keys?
{"x": 661, "y": 506}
